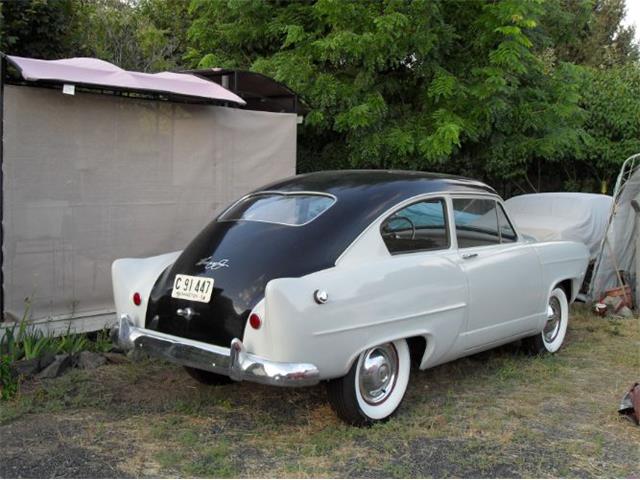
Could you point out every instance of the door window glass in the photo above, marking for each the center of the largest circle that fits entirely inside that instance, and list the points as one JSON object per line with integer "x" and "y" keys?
{"x": 476, "y": 222}
{"x": 507, "y": 233}
{"x": 418, "y": 227}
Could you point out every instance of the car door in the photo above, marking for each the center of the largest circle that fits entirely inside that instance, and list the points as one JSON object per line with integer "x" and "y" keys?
{"x": 428, "y": 284}
{"x": 503, "y": 273}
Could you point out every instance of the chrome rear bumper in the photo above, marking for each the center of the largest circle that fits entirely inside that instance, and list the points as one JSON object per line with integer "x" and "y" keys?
{"x": 234, "y": 362}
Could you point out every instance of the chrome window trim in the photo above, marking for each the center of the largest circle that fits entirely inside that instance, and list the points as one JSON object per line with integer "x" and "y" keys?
{"x": 278, "y": 192}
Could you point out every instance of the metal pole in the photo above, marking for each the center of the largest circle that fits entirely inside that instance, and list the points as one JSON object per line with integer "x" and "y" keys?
{"x": 3, "y": 72}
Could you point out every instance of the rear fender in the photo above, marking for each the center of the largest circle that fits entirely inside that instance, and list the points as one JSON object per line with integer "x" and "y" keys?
{"x": 130, "y": 275}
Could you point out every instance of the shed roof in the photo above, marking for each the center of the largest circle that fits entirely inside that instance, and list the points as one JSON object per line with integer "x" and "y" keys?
{"x": 92, "y": 72}
{"x": 259, "y": 91}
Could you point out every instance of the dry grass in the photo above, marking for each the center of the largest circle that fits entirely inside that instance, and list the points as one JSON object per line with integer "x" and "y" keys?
{"x": 500, "y": 413}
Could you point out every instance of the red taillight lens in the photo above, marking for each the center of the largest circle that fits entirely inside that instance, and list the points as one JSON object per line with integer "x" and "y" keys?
{"x": 137, "y": 299}
{"x": 254, "y": 321}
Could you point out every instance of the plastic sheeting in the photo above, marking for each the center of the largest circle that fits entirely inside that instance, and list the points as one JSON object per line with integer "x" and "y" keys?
{"x": 95, "y": 72}
{"x": 91, "y": 178}
{"x": 580, "y": 217}
{"x": 619, "y": 253}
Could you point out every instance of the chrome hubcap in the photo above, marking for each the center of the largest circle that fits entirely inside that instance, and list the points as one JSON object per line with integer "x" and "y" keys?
{"x": 378, "y": 372}
{"x": 554, "y": 317}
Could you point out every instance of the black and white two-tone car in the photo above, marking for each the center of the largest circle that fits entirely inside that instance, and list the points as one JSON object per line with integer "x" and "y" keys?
{"x": 345, "y": 277}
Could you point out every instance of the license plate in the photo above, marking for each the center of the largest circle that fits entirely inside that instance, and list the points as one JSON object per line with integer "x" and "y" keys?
{"x": 197, "y": 289}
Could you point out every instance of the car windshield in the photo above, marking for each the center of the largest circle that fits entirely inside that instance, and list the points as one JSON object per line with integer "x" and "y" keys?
{"x": 293, "y": 209}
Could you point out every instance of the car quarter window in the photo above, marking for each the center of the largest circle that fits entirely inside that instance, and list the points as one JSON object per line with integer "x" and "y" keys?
{"x": 421, "y": 226}
{"x": 476, "y": 221}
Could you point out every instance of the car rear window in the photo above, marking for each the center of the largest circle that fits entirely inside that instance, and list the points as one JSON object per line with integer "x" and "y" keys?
{"x": 292, "y": 209}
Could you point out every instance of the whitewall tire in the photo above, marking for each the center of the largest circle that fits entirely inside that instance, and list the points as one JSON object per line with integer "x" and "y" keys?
{"x": 555, "y": 329}
{"x": 375, "y": 385}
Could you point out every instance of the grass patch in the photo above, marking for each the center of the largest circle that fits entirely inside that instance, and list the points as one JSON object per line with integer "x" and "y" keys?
{"x": 500, "y": 413}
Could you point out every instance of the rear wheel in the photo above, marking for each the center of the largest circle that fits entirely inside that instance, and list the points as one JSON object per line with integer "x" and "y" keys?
{"x": 375, "y": 385}
{"x": 555, "y": 329}
{"x": 207, "y": 378}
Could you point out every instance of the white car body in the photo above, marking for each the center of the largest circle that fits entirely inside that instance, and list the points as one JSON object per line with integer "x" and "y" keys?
{"x": 458, "y": 300}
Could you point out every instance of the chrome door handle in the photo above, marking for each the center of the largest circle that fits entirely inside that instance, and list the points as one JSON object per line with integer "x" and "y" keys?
{"x": 467, "y": 256}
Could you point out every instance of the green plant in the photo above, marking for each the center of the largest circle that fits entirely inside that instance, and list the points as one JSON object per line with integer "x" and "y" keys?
{"x": 102, "y": 342}
{"x": 71, "y": 343}
{"x": 8, "y": 380}
{"x": 35, "y": 344}
{"x": 9, "y": 344}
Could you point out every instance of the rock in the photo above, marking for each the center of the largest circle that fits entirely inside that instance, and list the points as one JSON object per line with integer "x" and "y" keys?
{"x": 90, "y": 360}
{"x": 114, "y": 357}
{"x": 46, "y": 359}
{"x": 26, "y": 368}
{"x": 625, "y": 312}
{"x": 59, "y": 365}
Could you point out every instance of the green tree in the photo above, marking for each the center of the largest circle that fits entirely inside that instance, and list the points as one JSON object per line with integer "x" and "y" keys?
{"x": 149, "y": 35}
{"x": 610, "y": 96}
{"x": 588, "y": 32}
{"x": 38, "y": 28}
{"x": 146, "y": 35}
{"x": 423, "y": 84}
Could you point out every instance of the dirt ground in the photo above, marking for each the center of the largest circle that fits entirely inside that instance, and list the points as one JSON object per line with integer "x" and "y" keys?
{"x": 498, "y": 414}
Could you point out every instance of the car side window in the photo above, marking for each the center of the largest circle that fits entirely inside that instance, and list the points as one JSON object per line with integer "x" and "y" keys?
{"x": 476, "y": 221}
{"x": 421, "y": 226}
{"x": 507, "y": 233}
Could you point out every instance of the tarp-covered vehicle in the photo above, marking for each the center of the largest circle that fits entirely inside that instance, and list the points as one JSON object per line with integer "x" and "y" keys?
{"x": 579, "y": 217}
{"x": 344, "y": 277}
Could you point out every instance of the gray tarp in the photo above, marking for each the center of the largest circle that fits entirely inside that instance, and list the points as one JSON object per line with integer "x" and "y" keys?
{"x": 91, "y": 178}
{"x": 619, "y": 252}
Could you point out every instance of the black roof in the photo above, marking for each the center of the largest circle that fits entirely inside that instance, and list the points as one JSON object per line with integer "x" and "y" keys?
{"x": 392, "y": 184}
{"x": 362, "y": 196}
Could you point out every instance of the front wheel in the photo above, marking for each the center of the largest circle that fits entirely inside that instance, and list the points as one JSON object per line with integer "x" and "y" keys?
{"x": 375, "y": 385}
{"x": 555, "y": 329}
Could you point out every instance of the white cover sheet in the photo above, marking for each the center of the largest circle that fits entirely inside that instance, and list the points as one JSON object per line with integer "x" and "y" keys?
{"x": 580, "y": 217}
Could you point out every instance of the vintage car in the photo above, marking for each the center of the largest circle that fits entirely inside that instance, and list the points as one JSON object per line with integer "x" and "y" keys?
{"x": 349, "y": 277}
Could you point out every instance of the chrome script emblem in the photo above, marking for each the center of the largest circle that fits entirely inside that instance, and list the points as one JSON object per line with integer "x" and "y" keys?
{"x": 211, "y": 264}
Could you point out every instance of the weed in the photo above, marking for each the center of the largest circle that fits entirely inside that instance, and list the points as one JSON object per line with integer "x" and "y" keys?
{"x": 37, "y": 344}
{"x": 71, "y": 343}
{"x": 8, "y": 381}
{"x": 102, "y": 342}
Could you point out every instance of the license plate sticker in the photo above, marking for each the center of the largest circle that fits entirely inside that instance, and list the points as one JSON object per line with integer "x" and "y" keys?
{"x": 197, "y": 289}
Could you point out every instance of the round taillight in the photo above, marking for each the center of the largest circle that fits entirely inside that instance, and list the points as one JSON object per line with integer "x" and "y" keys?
{"x": 254, "y": 321}
{"x": 137, "y": 299}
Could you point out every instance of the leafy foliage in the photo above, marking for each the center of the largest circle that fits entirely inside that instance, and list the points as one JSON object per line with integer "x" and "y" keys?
{"x": 479, "y": 90}
{"x": 38, "y": 28}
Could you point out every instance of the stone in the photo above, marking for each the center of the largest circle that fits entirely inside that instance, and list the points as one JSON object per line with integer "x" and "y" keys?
{"x": 625, "y": 312}
{"x": 89, "y": 360}
{"x": 46, "y": 359}
{"x": 59, "y": 365}
{"x": 115, "y": 357}
{"x": 26, "y": 368}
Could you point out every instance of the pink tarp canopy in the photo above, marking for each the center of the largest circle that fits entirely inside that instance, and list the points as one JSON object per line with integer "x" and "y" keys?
{"x": 94, "y": 72}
